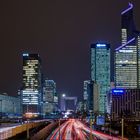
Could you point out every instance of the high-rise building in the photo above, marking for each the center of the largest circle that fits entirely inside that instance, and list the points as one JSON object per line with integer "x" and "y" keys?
{"x": 31, "y": 88}
{"x": 125, "y": 103}
{"x": 80, "y": 107}
{"x": 100, "y": 71}
{"x": 50, "y": 98}
{"x": 85, "y": 96}
{"x": 91, "y": 96}
{"x": 49, "y": 90}
{"x": 127, "y": 56}
{"x": 109, "y": 99}
{"x": 90, "y": 99}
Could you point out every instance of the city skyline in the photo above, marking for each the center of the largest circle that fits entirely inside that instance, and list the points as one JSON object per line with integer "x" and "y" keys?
{"x": 43, "y": 27}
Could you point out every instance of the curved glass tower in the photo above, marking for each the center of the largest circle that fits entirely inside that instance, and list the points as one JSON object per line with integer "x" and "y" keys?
{"x": 127, "y": 57}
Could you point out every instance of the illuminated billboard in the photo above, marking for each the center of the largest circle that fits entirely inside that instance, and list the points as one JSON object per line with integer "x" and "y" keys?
{"x": 118, "y": 91}
{"x": 100, "y": 120}
{"x": 100, "y": 45}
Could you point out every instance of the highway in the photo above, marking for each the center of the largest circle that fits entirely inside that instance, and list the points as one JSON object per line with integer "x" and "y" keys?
{"x": 74, "y": 129}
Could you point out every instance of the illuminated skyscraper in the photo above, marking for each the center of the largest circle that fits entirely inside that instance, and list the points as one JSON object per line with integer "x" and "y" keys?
{"x": 49, "y": 90}
{"x": 100, "y": 71}
{"x": 127, "y": 56}
{"x": 31, "y": 89}
{"x": 50, "y": 99}
{"x": 85, "y": 96}
{"x": 125, "y": 102}
{"x": 91, "y": 96}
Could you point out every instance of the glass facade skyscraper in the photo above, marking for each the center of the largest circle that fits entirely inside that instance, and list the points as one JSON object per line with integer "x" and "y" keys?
{"x": 49, "y": 91}
{"x": 100, "y": 71}
{"x": 91, "y": 96}
{"x": 88, "y": 94}
{"x": 50, "y": 98}
{"x": 31, "y": 88}
{"x": 85, "y": 95}
{"x": 127, "y": 57}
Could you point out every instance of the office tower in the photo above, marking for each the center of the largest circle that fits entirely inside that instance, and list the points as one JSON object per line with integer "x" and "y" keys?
{"x": 91, "y": 96}
{"x": 80, "y": 107}
{"x": 85, "y": 96}
{"x": 100, "y": 71}
{"x": 31, "y": 88}
{"x": 88, "y": 95}
{"x": 50, "y": 99}
{"x": 109, "y": 99}
{"x": 126, "y": 103}
{"x": 96, "y": 97}
{"x": 49, "y": 90}
{"x": 127, "y": 60}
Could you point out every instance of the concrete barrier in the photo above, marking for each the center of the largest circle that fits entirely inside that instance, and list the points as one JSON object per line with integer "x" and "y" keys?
{"x": 45, "y": 132}
{"x": 13, "y": 131}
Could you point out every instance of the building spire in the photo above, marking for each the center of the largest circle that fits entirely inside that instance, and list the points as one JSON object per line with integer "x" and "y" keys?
{"x": 129, "y": 8}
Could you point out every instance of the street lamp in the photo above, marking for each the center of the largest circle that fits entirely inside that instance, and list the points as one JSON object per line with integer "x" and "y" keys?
{"x": 28, "y": 116}
{"x": 1, "y": 108}
{"x": 122, "y": 120}
{"x": 90, "y": 111}
{"x": 63, "y": 102}
{"x": 59, "y": 129}
{"x": 63, "y": 95}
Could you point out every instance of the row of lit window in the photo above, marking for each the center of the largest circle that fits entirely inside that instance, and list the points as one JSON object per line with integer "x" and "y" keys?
{"x": 124, "y": 36}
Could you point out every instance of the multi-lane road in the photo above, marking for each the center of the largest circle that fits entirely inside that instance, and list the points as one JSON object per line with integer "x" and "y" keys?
{"x": 74, "y": 129}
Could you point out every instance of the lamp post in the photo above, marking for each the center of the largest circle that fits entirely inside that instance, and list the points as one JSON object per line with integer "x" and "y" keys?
{"x": 27, "y": 130}
{"x": 28, "y": 115}
{"x": 13, "y": 109}
{"x": 59, "y": 129}
{"x": 122, "y": 128}
{"x": 1, "y": 108}
{"x": 110, "y": 124}
{"x": 63, "y": 95}
{"x": 90, "y": 124}
{"x": 63, "y": 102}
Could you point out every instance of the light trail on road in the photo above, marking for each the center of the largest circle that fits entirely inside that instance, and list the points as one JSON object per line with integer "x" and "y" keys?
{"x": 74, "y": 129}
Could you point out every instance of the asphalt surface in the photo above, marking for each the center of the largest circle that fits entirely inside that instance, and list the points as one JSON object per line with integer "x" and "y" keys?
{"x": 74, "y": 129}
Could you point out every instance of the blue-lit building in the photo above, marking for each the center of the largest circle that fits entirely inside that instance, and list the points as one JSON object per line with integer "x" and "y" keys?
{"x": 31, "y": 84}
{"x": 100, "y": 71}
{"x": 127, "y": 56}
{"x": 125, "y": 103}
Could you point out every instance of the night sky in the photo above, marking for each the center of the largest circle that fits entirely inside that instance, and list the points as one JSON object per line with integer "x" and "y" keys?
{"x": 61, "y": 31}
